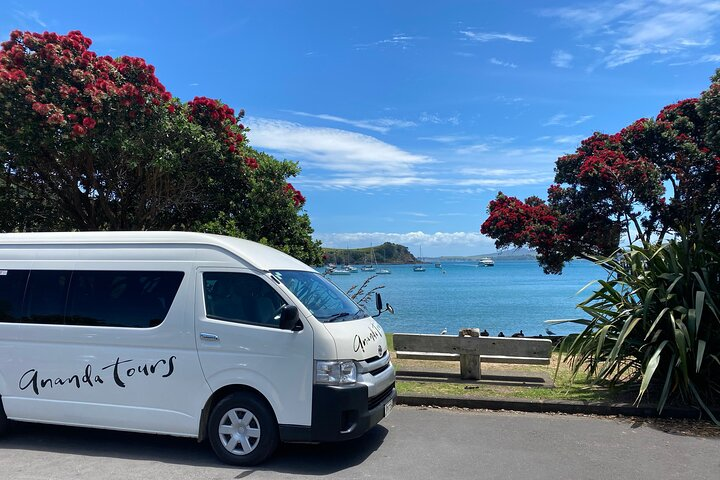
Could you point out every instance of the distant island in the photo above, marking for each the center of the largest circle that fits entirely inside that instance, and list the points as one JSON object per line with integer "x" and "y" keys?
{"x": 391, "y": 253}
{"x": 502, "y": 255}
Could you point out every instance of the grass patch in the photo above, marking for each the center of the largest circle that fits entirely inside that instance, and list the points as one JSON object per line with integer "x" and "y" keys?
{"x": 565, "y": 387}
{"x": 390, "y": 343}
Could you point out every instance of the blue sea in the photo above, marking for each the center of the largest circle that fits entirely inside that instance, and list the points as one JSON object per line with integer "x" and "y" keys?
{"x": 513, "y": 295}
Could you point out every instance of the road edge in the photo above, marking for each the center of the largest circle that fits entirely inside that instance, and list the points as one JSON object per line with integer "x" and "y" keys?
{"x": 549, "y": 406}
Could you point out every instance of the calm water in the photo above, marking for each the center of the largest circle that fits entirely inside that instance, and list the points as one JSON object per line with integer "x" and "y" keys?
{"x": 508, "y": 297}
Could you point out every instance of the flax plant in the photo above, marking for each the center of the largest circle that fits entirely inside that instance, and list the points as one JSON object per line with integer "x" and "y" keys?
{"x": 655, "y": 322}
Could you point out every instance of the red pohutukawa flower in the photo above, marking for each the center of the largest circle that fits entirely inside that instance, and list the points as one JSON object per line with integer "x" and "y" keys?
{"x": 41, "y": 108}
{"x": 298, "y": 197}
{"x": 83, "y": 83}
{"x": 56, "y": 119}
{"x": 513, "y": 222}
{"x": 217, "y": 116}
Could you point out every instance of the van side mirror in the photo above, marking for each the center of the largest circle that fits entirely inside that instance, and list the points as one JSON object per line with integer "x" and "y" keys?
{"x": 379, "y": 306}
{"x": 290, "y": 319}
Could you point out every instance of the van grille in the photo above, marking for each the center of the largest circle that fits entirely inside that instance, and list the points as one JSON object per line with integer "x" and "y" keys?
{"x": 381, "y": 398}
{"x": 374, "y": 365}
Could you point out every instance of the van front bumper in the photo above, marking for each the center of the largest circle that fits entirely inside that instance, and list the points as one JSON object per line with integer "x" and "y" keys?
{"x": 341, "y": 413}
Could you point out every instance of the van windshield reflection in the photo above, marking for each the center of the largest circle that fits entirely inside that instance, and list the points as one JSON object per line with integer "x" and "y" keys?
{"x": 326, "y": 301}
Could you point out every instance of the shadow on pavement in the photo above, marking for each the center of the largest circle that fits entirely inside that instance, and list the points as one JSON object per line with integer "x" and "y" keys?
{"x": 326, "y": 458}
{"x": 106, "y": 443}
{"x": 683, "y": 427}
{"x": 318, "y": 459}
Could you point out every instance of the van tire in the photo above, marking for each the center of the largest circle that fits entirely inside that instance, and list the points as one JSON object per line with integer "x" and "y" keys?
{"x": 3, "y": 419}
{"x": 242, "y": 429}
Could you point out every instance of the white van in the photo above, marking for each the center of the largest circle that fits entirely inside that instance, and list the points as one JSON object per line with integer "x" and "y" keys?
{"x": 185, "y": 334}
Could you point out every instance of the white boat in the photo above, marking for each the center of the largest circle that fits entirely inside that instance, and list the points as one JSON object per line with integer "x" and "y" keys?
{"x": 383, "y": 271}
{"x": 419, "y": 268}
{"x": 486, "y": 262}
{"x": 438, "y": 265}
{"x": 372, "y": 266}
{"x": 337, "y": 271}
{"x": 340, "y": 272}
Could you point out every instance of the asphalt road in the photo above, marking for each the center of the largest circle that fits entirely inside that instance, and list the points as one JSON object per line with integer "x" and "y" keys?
{"x": 412, "y": 443}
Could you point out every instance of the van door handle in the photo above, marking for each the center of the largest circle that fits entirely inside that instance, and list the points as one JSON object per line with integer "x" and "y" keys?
{"x": 209, "y": 336}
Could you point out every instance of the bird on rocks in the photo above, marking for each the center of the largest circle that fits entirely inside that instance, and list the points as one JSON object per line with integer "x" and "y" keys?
{"x": 519, "y": 334}
{"x": 484, "y": 333}
{"x": 501, "y": 334}
{"x": 444, "y": 331}
{"x": 549, "y": 332}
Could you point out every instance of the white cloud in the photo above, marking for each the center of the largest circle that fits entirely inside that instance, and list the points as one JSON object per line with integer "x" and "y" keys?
{"x": 562, "y": 139}
{"x": 501, "y": 63}
{"x": 509, "y": 100}
{"x": 351, "y": 159}
{"x": 340, "y": 159}
{"x": 30, "y": 15}
{"x": 471, "y": 149}
{"x": 447, "y": 138}
{"x": 634, "y": 29}
{"x": 426, "y": 117}
{"x": 569, "y": 139}
{"x": 413, "y": 240}
{"x": 487, "y": 36}
{"x": 494, "y": 171}
{"x": 380, "y": 125}
{"x": 703, "y": 59}
{"x": 400, "y": 40}
{"x": 502, "y": 177}
{"x": 360, "y": 181}
{"x": 504, "y": 182}
{"x": 564, "y": 120}
{"x": 561, "y": 59}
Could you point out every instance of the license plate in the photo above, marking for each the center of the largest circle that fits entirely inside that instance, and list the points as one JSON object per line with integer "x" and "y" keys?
{"x": 388, "y": 406}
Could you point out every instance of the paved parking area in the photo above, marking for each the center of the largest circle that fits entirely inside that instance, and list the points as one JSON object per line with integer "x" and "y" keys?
{"x": 412, "y": 443}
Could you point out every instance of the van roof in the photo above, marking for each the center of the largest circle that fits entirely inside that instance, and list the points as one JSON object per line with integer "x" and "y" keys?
{"x": 259, "y": 256}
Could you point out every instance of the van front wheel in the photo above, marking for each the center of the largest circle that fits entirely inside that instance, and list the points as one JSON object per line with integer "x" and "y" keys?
{"x": 242, "y": 430}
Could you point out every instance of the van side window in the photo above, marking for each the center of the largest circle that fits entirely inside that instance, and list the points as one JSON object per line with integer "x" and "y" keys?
{"x": 242, "y": 298}
{"x": 135, "y": 299}
{"x": 12, "y": 290}
{"x": 45, "y": 297}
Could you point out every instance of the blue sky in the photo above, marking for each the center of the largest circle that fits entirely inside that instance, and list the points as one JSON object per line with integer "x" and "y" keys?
{"x": 407, "y": 117}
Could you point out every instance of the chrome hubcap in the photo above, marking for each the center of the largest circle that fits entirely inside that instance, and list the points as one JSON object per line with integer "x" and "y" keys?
{"x": 239, "y": 431}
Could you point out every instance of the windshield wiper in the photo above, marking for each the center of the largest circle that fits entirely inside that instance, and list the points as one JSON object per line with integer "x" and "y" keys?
{"x": 337, "y": 316}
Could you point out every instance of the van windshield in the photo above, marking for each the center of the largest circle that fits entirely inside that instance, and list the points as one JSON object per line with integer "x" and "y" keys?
{"x": 326, "y": 302}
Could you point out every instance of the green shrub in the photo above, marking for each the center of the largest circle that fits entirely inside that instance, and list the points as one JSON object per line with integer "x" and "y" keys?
{"x": 655, "y": 323}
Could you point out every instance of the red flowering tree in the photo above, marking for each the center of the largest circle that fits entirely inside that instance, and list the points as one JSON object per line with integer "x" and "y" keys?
{"x": 91, "y": 142}
{"x": 655, "y": 177}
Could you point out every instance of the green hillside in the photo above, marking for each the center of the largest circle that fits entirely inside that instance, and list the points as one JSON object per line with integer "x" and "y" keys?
{"x": 385, "y": 253}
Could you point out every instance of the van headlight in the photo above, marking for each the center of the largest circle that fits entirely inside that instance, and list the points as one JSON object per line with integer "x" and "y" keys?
{"x": 335, "y": 372}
